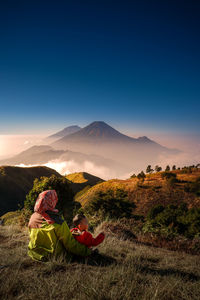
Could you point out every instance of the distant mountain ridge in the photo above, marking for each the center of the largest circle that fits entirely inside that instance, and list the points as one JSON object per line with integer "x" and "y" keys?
{"x": 99, "y": 130}
{"x": 42, "y": 154}
{"x": 64, "y": 132}
{"x": 101, "y": 139}
{"x": 34, "y": 155}
{"x": 100, "y": 144}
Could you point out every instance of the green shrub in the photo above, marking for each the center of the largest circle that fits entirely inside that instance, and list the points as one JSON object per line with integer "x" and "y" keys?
{"x": 193, "y": 187}
{"x": 133, "y": 176}
{"x": 186, "y": 170}
{"x": 168, "y": 175}
{"x": 65, "y": 204}
{"x": 158, "y": 169}
{"x": 149, "y": 169}
{"x": 141, "y": 176}
{"x": 173, "y": 220}
{"x": 167, "y": 169}
{"x": 172, "y": 181}
{"x": 112, "y": 204}
{"x": 155, "y": 211}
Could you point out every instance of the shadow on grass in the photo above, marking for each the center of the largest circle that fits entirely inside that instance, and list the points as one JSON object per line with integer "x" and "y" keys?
{"x": 96, "y": 259}
{"x": 186, "y": 276}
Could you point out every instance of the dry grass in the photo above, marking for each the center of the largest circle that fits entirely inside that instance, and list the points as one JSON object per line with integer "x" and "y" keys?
{"x": 130, "y": 229}
{"x": 124, "y": 270}
{"x": 154, "y": 190}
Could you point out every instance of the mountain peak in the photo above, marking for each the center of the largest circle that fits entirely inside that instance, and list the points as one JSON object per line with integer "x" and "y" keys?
{"x": 95, "y": 131}
{"x": 99, "y": 129}
{"x": 98, "y": 123}
{"x": 99, "y": 132}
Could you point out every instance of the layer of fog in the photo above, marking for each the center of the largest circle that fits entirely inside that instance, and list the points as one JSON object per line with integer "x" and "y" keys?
{"x": 71, "y": 166}
{"x": 12, "y": 145}
{"x": 67, "y": 167}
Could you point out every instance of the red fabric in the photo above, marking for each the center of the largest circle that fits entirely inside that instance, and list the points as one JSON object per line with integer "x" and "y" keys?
{"x": 86, "y": 238}
{"x": 46, "y": 201}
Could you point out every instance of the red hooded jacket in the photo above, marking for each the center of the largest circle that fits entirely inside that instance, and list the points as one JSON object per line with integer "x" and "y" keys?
{"x": 86, "y": 238}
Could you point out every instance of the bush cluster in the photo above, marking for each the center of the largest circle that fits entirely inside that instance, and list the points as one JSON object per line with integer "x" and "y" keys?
{"x": 174, "y": 220}
{"x": 193, "y": 187}
{"x": 65, "y": 204}
{"x": 110, "y": 204}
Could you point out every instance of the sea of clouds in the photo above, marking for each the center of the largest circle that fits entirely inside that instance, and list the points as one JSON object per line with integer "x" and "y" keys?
{"x": 71, "y": 166}
{"x": 14, "y": 144}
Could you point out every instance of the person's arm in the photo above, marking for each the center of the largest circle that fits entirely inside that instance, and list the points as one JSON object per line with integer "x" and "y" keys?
{"x": 89, "y": 241}
{"x": 65, "y": 236}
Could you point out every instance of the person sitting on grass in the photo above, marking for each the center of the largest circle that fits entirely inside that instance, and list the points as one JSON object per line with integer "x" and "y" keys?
{"x": 81, "y": 234}
{"x": 49, "y": 232}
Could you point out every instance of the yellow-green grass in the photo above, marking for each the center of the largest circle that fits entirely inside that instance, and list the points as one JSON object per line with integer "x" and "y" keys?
{"x": 82, "y": 177}
{"x": 12, "y": 217}
{"x": 82, "y": 180}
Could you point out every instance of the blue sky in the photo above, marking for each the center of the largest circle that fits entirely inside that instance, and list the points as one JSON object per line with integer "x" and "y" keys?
{"x": 133, "y": 64}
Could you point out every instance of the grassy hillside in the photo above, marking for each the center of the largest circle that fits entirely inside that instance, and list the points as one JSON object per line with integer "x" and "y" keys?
{"x": 15, "y": 183}
{"x": 82, "y": 180}
{"x": 123, "y": 270}
{"x": 154, "y": 190}
{"x": 132, "y": 264}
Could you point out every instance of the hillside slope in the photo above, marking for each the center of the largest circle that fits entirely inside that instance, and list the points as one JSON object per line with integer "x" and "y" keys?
{"x": 15, "y": 183}
{"x": 154, "y": 190}
{"x": 81, "y": 180}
